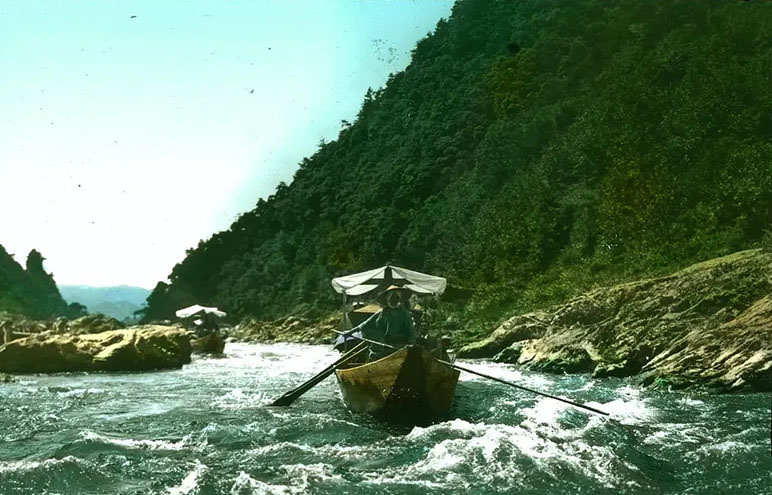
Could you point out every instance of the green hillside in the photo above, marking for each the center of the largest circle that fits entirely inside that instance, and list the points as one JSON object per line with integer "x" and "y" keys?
{"x": 530, "y": 150}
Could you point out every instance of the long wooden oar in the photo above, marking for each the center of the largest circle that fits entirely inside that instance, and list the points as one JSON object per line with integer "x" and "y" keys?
{"x": 499, "y": 380}
{"x": 575, "y": 404}
{"x": 292, "y": 395}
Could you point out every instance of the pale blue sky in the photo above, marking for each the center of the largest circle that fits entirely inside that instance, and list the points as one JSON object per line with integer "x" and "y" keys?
{"x": 123, "y": 141}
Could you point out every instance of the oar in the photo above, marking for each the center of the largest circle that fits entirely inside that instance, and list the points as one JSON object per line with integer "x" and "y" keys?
{"x": 499, "y": 380}
{"x": 292, "y": 395}
{"x": 575, "y": 404}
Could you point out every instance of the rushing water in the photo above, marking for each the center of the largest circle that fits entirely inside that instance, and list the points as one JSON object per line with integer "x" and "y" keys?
{"x": 206, "y": 429}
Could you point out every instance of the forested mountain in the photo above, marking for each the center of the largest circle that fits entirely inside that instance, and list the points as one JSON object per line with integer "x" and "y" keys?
{"x": 531, "y": 149}
{"x": 120, "y": 302}
{"x": 31, "y": 291}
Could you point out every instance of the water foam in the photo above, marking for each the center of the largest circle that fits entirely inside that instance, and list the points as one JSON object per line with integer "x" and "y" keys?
{"x": 26, "y": 466}
{"x": 244, "y": 484}
{"x": 678, "y": 434}
{"x": 499, "y": 453}
{"x": 344, "y": 454}
{"x": 536, "y": 445}
{"x": 301, "y": 477}
{"x": 504, "y": 372}
{"x": 631, "y": 411}
{"x": 275, "y": 360}
{"x": 236, "y": 398}
{"x": 691, "y": 402}
{"x": 735, "y": 444}
{"x": 307, "y": 473}
{"x": 190, "y": 482}
{"x": 129, "y": 443}
{"x": 545, "y": 412}
{"x": 80, "y": 392}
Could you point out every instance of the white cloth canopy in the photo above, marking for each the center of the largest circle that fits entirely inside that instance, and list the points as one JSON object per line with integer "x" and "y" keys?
{"x": 362, "y": 283}
{"x": 196, "y": 309}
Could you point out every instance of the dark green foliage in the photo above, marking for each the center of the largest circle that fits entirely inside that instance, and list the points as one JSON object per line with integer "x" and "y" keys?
{"x": 32, "y": 292}
{"x": 766, "y": 241}
{"x": 532, "y": 149}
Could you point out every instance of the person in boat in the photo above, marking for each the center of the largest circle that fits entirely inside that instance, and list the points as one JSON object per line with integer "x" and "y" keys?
{"x": 205, "y": 325}
{"x": 441, "y": 350}
{"x": 417, "y": 313}
{"x": 6, "y": 331}
{"x": 392, "y": 325}
{"x": 210, "y": 323}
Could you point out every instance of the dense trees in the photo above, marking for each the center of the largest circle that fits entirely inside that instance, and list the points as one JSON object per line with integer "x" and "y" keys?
{"x": 531, "y": 149}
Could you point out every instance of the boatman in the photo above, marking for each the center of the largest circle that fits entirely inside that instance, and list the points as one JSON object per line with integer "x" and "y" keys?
{"x": 393, "y": 325}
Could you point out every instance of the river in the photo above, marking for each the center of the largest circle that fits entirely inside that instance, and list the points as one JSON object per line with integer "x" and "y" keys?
{"x": 206, "y": 429}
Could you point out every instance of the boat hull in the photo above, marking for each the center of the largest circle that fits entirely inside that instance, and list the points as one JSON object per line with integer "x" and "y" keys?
{"x": 408, "y": 383}
{"x": 213, "y": 343}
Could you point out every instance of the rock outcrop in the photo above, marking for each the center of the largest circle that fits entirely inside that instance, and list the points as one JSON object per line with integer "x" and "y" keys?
{"x": 95, "y": 323}
{"x": 733, "y": 356}
{"x": 31, "y": 291}
{"x": 143, "y": 348}
{"x": 710, "y": 324}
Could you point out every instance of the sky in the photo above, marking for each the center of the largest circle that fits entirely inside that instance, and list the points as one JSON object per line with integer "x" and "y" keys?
{"x": 130, "y": 130}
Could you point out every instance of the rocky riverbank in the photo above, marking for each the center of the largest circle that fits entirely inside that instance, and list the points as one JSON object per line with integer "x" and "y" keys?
{"x": 709, "y": 324}
{"x": 144, "y": 348}
{"x": 290, "y": 329}
{"x": 19, "y": 326}
{"x": 98, "y": 342}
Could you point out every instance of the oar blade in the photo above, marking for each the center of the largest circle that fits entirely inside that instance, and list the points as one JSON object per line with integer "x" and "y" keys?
{"x": 284, "y": 400}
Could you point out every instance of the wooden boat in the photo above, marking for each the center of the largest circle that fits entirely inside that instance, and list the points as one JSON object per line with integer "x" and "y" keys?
{"x": 410, "y": 383}
{"x": 213, "y": 343}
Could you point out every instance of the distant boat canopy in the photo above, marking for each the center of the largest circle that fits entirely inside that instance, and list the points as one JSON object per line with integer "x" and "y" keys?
{"x": 377, "y": 280}
{"x": 196, "y": 309}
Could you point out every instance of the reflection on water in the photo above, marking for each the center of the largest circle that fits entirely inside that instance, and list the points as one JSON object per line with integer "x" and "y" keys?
{"x": 206, "y": 429}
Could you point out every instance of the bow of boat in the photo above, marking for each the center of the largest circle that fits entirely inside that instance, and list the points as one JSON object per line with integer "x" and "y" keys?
{"x": 408, "y": 382}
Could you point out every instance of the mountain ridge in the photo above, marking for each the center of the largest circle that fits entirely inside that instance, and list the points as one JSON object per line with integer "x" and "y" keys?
{"x": 530, "y": 151}
{"x": 119, "y": 301}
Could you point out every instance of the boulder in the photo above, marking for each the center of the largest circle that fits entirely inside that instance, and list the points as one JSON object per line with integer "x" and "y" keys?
{"x": 95, "y": 323}
{"x": 516, "y": 329}
{"x": 569, "y": 358}
{"x": 511, "y": 354}
{"x": 629, "y": 366}
{"x": 144, "y": 348}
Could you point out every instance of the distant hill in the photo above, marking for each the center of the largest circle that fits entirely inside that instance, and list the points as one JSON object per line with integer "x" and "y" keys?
{"x": 120, "y": 302}
{"x": 530, "y": 150}
{"x": 29, "y": 290}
